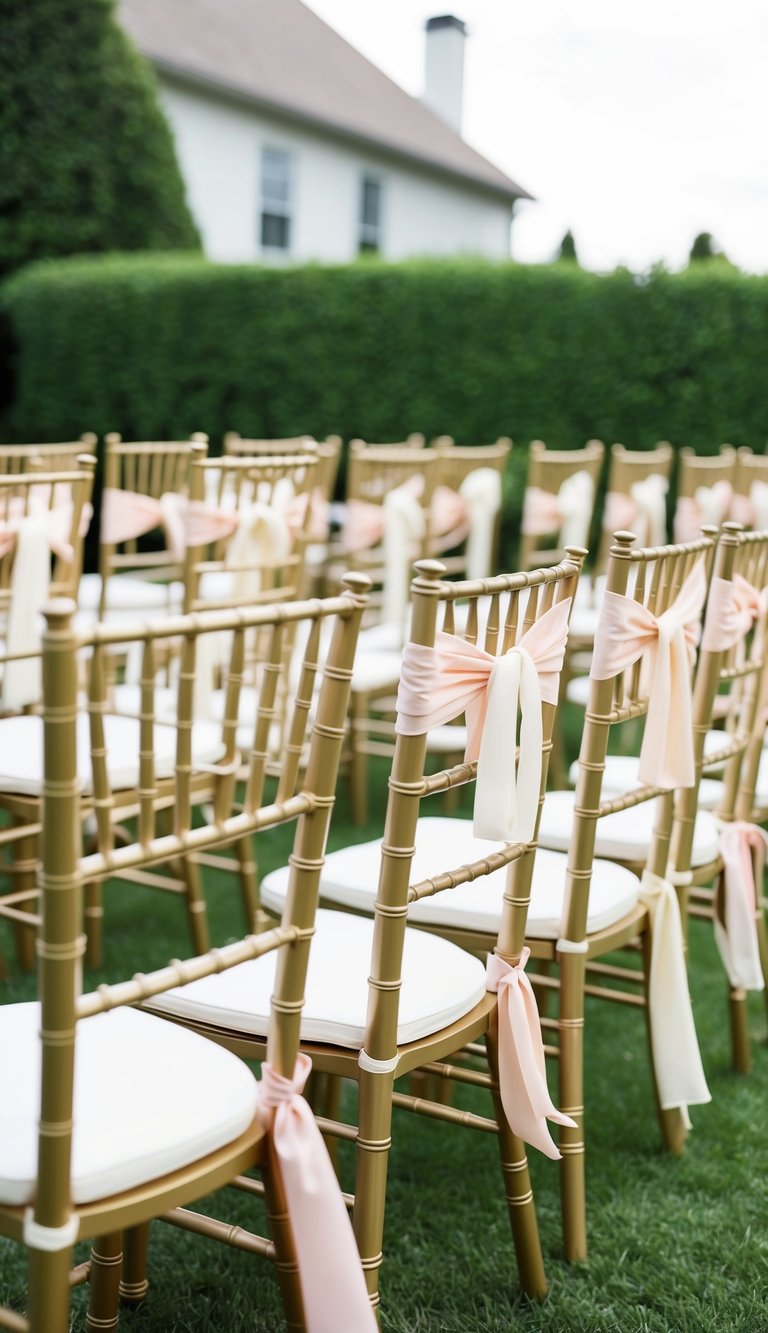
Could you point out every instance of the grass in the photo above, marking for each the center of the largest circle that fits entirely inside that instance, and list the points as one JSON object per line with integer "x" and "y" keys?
{"x": 675, "y": 1244}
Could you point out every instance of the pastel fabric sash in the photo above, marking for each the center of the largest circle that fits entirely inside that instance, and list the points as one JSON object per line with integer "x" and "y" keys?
{"x": 676, "y": 1059}
{"x": 743, "y": 849}
{"x": 752, "y": 509}
{"x": 708, "y": 504}
{"x": 453, "y": 677}
{"x": 522, "y": 1071}
{"x": 333, "y": 1287}
{"x": 568, "y": 513}
{"x": 733, "y": 607}
{"x": 626, "y": 630}
{"x": 481, "y": 493}
{"x": 404, "y": 530}
{"x": 126, "y": 515}
{"x": 644, "y": 508}
{"x": 313, "y": 524}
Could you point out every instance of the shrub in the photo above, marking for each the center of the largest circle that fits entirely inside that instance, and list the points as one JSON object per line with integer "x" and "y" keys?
{"x": 87, "y": 161}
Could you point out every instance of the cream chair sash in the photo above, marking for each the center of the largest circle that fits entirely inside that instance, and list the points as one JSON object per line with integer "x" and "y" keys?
{"x": 453, "y": 677}
{"x": 643, "y": 510}
{"x": 569, "y": 512}
{"x": 404, "y": 529}
{"x": 676, "y": 1059}
{"x": 743, "y": 849}
{"x": 126, "y": 515}
{"x": 333, "y": 1288}
{"x": 522, "y": 1071}
{"x": 708, "y": 504}
{"x": 626, "y": 630}
{"x": 481, "y": 493}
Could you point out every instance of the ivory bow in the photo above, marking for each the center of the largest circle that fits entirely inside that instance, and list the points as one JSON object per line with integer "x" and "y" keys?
{"x": 732, "y": 609}
{"x": 675, "y": 1049}
{"x": 743, "y": 849}
{"x": 437, "y": 684}
{"x": 569, "y": 512}
{"x": 644, "y": 508}
{"x": 126, "y": 515}
{"x": 626, "y": 630}
{"x": 330, "y": 1274}
{"x": 708, "y": 504}
{"x": 522, "y": 1071}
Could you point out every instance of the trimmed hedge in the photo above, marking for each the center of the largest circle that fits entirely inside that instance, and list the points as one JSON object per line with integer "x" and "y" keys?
{"x": 159, "y": 346}
{"x": 87, "y": 160}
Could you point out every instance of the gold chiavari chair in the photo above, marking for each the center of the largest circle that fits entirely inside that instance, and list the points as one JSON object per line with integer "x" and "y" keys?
{"x": 49, "y": 457}
{"x": 559, "y": 499}
{"x": 142, "y": 483}
{"x": 635, "y": 498}
{"x": 472, "y": 478}
{"x": 115, "y": 1116}
{"x": 44, "y": 517}
{"x": 410, "y": 888}
{"x": 750, "y": 500}
{"x": 705, "y": 487}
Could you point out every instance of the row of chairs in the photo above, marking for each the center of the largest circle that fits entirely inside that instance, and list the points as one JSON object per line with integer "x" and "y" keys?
{"x": 618, "y": 862}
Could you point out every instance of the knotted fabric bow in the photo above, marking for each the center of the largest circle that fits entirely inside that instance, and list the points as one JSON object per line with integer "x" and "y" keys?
{"x": 126, "y": 515}
{"x": 468, "y": 514}
{"x": 708, "y": 504}
{"x": 644, "y": 508}
{"x": 568, "y": 513}
{"x": 453, "y": 677}
{"x": 743, "y": 849}
{"x": 626, "y": 630}
{"x": 733, "y": 607}
{"x": 675, "y": 1049}
{"x": 522, "y": 1071}
{"x": 309, "y": 514}
{"x": 330, "y": 1273}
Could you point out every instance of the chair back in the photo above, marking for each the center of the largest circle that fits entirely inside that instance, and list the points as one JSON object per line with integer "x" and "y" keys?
{"x": 750, "y": 499}
{"x": 633, "y": 501}
{"x": 632, "y": 679}
{"x": 48, "y": 457}
{"x": 705, "y": 487}
{"x": 559, "y": 499}
{"x": 69, "y": 751}
{"x": 467, "y": 505}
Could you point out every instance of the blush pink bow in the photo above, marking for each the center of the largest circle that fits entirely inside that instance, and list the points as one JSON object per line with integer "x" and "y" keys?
{"x": 438, "y": 683}
{"x": 568, "y": 513}
{"x": 522, "y": 1071}
{"x": 709, "y": 504}
{"x": 333, "y": 1287}
{"x": 126, "y": 515}
{"x": 642, "y": 511}
{"x": 752, "y": 509}
{"x": 365, "y": 523}
{"x": 733, "y": 608}
{"x": 626, "y": 631}
{"x": 308, "y": 514}
{"x": 743, "y": 850}
{"x": 449, "y": 518}
{"x": 54, "y": 521}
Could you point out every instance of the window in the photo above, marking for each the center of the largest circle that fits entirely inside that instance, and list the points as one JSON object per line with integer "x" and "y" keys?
{"x": 275, "y": 199}
{"x": 370, "y": 215}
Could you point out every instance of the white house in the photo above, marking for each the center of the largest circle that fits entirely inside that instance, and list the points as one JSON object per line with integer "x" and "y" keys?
{"x": 295, "y": 147}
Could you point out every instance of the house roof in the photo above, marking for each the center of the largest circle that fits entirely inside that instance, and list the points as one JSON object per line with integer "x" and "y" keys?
{"x": 280, "y": 55}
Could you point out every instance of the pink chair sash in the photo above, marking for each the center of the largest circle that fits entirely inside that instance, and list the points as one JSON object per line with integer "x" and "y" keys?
{"x": 743, "y": 849}
{"x": 126, "y": 515}
{"x": 365, "y": 523}
{"x": 314, "y": 524}
{"x": 709, "y": 504}
{"x": 752, "y": 509}
{"x": 642, "y": 511}
{"x": 732, "y": 609}
{"x": 522, "y": 1072}
{"x": 626, "y": 631}
{"x": 453, "y": 677}
{"x": 333, "y": 1287}
{"x": 569, "y": 512}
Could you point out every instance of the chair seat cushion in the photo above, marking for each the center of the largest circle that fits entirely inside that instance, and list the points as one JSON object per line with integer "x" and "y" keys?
{"x": 376, "y": 670}
{"x": 440, "y": 984}
{"x": 621, "y": 776}
{"x": 624, "y": 835}
{"x": 128, "y": 592}
{"x": 21, "y": 751}
{"x": 149, "y": 1098}
{"x": 577, "y": 691}
{"x": 349, "y": 879}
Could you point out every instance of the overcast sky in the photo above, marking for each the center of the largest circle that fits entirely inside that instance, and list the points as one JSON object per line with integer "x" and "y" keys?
{"x": 636, "y": 125}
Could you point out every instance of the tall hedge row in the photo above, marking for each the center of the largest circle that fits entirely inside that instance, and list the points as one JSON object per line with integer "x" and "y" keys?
{"x": 158, "y": 346}
{"x": 87, "y": 161}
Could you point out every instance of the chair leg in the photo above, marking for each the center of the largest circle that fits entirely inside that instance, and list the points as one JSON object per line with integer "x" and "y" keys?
{"x": 672, "y": 1123}
{"x": 106, "y": 1264}
{"x": 517, "y": 1187}
{"x": 93, "y": 914}
{"x": 286, "y": 1265}
{"x": 741, "y": 1052}
{"x": 762, "y": 940}
{"x": 24, "y": 872}
{"x": 49, "y": 1291}
{"x": 358, "y": 761}
{"x": 371, "y": 1166}
{"x": 197, "y": 912}
{"x": 571, "y": 1141}
{"x": 134, "y": 1284}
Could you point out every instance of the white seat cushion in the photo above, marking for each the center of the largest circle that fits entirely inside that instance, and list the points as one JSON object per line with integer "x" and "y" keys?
{"x": 21, "y": 751}
{"x": 376, "y": 670}
{"x": 149, "y": 1098}
{"x": 129, "y": 592}
{"x": 625, "y": 835}
{"x": 621, "y": 776}
{"x": 583, "y": 622}
{"x": 440, "y": 984}
{"x": 349, "y": 878}
{"x": 577, "y": 691}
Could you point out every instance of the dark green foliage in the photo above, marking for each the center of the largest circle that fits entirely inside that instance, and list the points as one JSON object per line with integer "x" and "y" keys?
{"x": 158, "y": 346}
{"x": 86, "y": 157}
{"x": 705, "y": 247}
{"x": 568, "y": 248}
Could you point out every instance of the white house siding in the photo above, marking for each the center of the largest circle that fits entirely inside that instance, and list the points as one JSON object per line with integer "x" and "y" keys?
{"x": 219, "y": 145}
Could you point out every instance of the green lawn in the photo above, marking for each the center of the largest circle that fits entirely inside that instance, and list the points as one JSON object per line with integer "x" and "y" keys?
{"x": 674, "y": 1244}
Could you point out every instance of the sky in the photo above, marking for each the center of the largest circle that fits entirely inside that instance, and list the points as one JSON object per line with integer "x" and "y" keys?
{"x": 635, "y": 125}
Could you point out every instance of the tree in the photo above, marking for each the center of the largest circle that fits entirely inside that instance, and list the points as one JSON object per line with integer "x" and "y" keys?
{"x": 568, "y": 248}
{"x": 705, "y": 247}
{"x": 87, "y": 160}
